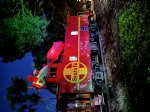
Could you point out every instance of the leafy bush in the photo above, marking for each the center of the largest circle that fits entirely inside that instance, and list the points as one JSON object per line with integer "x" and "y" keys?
{"x": 135, "y": 54}
{"x": 21, "y": 32}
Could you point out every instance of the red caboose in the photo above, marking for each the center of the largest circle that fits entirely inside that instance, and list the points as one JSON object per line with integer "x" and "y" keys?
{"x": 70, "y": 68}
{"x": 72, "y": 74}
{"x": 68, "y": 73}
{"x": 74, "y": 70}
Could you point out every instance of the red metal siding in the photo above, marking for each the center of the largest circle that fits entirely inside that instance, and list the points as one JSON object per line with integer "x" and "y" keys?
{"x": 75, "y": 76}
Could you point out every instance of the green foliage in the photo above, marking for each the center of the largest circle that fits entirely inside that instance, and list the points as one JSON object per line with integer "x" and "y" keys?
{"x": 135, "y": 54}
{"x": 19, "y": 97}
{"x": 28, "y": 30}
{"x": 21, "y": 32}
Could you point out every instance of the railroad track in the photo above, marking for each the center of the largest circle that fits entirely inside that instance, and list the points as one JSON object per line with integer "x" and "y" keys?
{"x": 99, "y": 76}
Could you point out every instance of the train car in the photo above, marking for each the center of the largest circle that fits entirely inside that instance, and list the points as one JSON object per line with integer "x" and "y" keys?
{"x": 74, "y": 70}
{"x": 72, "y": 77}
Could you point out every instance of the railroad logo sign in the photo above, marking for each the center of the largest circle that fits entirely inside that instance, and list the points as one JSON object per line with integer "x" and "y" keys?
{"x": 75, "y": 72}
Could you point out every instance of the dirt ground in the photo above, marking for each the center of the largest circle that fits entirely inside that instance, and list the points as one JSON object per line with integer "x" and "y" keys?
{"x": 106, "y": 17}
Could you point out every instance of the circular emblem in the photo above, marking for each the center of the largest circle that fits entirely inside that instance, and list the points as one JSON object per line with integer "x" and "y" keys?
{"x": 75, "y": 72}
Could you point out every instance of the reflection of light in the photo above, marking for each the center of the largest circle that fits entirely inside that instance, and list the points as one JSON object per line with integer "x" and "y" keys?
{"x": 72, "y": 58}
{"x": 68, "y": 45}
{"x": 74, "y": 33}
{"x": 52, "y": 51}
{"x": 76, "y": 105}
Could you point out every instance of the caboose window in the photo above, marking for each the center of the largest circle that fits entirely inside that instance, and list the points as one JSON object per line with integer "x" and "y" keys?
{"x": 74, "y": 33}
{"x": 53, "y": 72}
{"x": 83, "y": 28}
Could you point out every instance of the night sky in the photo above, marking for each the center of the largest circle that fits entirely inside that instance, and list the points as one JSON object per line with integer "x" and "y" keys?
{"x": 21, "y": 68}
